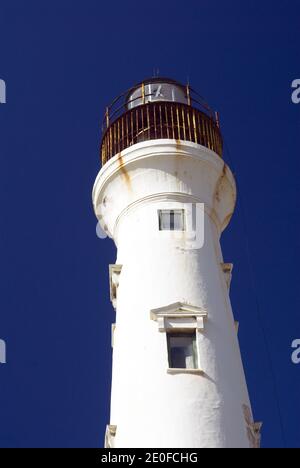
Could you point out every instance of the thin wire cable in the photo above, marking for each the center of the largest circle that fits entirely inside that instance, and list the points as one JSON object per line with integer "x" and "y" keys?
{"x": 257, "y": 302}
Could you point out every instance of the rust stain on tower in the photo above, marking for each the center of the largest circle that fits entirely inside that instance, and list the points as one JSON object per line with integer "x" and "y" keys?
{"x": 217, "y": 196}
{"x": 124, "y": 171}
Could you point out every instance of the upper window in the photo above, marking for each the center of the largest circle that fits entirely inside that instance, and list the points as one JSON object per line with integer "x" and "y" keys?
{"x": 182, "y": 348}
{"x": 171, "y": 220}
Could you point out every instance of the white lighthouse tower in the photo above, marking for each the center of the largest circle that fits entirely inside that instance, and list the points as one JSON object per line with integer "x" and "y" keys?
{"x": 164, "y": 194}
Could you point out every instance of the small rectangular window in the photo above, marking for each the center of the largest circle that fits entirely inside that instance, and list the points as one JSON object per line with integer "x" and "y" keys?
{"x": 171, "y": 220}
{"x": 182, "y": 349}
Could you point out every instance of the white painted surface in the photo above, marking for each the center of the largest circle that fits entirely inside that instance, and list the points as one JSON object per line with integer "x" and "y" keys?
{"x": 149, "y": 406}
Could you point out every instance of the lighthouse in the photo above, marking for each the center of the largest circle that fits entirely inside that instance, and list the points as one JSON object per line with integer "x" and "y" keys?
{"x": 164, "y": 194}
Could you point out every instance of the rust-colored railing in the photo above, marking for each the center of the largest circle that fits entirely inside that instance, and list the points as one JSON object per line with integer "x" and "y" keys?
{"x": 161, "y": 120}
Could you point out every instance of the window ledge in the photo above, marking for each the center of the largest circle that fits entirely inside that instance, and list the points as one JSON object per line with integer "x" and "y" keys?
{"x": 185, "y": 371}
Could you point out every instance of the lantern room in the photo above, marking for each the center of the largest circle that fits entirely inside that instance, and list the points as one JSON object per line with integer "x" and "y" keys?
{"x": 159, "y": 108}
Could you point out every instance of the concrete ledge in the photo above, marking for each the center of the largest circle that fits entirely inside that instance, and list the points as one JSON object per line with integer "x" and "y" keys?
{"x": 174, "y": 371}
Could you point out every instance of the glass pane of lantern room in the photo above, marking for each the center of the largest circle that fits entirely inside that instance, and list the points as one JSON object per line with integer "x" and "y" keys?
{"x": 135, "y": 99}
{"x": 156, "y": 92}
{"x": 161, "y": 92}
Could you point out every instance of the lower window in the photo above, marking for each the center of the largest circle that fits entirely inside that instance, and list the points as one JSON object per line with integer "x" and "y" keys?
{"x": 182, "y": 350}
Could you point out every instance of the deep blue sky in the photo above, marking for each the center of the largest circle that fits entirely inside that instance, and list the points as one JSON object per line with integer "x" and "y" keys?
{"x": 63, "y": 61}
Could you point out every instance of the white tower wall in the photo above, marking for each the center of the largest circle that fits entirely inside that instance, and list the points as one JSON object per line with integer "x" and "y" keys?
{"x": 152, "y": 406}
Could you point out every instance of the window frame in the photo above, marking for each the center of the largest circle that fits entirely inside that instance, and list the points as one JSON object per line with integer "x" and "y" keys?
{"x": 171, "y": 211}
{"x": 181, "y": 318}
{"x": 194, "y": 342}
